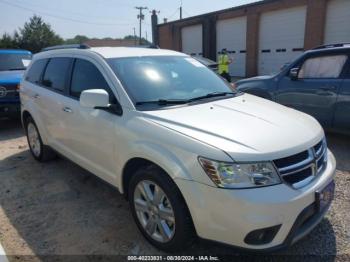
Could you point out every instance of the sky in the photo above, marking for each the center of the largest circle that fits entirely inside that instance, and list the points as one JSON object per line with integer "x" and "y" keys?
{"x": 102, "y": 18}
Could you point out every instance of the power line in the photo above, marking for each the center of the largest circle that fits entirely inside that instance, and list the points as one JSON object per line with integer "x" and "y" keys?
{"x": 62, "y": 17}
{"x": 34, "y": 5}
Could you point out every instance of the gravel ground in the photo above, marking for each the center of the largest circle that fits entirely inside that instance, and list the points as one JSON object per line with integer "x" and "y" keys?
{"x": 57, "y": 208}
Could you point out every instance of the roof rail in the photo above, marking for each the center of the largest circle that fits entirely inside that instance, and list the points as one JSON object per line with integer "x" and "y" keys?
{"x": 56, "y": 47}
{"x": 147, "y": 46}
{"x": 330, "y": 46}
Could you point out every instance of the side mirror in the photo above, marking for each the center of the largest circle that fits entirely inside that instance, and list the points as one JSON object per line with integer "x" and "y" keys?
{"x": 94, "y": 98}
{"x": 293, "y": 74}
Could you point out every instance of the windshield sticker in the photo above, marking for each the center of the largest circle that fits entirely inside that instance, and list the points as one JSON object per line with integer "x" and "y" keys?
{"x": 25, "y": 62}
{"x": 194, "y": 62}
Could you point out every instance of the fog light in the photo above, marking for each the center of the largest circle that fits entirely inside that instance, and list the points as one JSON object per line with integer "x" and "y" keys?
{"x": 262, "y": 236}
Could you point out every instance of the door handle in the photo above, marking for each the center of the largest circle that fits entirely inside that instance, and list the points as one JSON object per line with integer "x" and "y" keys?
{"x": 67, "y": 110}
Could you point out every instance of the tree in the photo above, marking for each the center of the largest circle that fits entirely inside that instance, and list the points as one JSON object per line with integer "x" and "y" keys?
{"x": 7, "y": 41}
{"x": 36, "y": 35}
{"x": 136, "y": 38}
{"x": 78, "y": 39}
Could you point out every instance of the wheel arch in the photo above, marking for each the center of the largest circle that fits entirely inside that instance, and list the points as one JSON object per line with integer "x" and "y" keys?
{"x": 25, "y": 115}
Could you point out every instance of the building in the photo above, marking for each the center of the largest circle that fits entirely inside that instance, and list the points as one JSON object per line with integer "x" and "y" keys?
{"x": 110, "y": 42}
{"x": 260, "y": 37}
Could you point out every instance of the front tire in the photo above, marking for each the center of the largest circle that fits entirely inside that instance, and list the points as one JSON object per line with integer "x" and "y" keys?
{"x": 39, "y": 151}
{"x": 159, "y": 210}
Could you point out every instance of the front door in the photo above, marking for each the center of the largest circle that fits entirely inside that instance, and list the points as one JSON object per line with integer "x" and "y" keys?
{"x": 90, "y": 134}
{"x": 315, "y": 89}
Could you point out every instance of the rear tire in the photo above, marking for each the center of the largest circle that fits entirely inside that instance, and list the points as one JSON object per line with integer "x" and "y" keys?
{"x": 39, "y": 151}
{"x": 169, "y": 213}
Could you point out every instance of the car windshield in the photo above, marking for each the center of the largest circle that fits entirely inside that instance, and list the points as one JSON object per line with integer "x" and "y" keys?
{"x": 168, "y": 79}
{"x": 15, "y": 61}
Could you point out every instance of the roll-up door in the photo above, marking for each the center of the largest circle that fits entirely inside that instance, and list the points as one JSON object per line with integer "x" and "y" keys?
{"x": 231, "y": 34}
{"x": 192, "y": 40}
{"x": 281, "y": 38}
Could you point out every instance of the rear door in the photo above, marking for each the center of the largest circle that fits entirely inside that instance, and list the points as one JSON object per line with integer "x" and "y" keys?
{"x": 89, "y": 134}
{"x": 316, "y": 89}
{"x": 54, "y": 85}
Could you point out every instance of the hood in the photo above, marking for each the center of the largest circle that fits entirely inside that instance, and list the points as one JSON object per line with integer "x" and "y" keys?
{"x": 246, "y": 127}
{"x": 11, "y": 77}
{"x": 255, "y": 79}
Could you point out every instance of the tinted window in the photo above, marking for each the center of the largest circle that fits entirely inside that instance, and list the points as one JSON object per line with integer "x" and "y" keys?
{"x": 323, "y": 67}
{"x": 36, "y": 70}
{"x": 14, "y": 61}
{"x": 87, "y": 76}
{"x": 56, "y": 73}
{"x": 166, "y": 77}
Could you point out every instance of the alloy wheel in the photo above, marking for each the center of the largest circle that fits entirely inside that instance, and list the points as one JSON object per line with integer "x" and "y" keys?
{"x": 154, "y": 211}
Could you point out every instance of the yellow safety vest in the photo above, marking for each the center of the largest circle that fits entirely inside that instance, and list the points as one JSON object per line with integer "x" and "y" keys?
{"x": 223, "y": 63}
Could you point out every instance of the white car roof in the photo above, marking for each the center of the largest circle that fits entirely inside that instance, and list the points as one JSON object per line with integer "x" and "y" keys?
{"x": 114, "y": 52}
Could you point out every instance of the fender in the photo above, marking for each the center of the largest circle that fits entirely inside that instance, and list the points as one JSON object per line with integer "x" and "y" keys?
{"x": 157, "y": 154}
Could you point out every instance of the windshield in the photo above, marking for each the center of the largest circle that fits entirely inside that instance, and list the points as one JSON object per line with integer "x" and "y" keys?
{"x": 14, "y": 61}
{"x": 163, "y": 78}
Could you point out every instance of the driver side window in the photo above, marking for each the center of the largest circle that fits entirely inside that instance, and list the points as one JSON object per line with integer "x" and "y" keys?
{"x": 86, "y": 76}
{"x": 323, "y": 67}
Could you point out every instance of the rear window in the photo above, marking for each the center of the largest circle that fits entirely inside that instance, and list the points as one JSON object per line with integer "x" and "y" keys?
{"x": 56, "y": 72}
{"x": 36, "y": 70}
{"x": 16, "y": 61}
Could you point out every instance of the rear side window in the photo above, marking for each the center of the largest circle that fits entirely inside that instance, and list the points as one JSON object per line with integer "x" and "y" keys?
{"x": 323, "y": 67}
{"x": 36, "y": 70}
{"x": 56, "y": 72}
{"x": 87, "y": 76}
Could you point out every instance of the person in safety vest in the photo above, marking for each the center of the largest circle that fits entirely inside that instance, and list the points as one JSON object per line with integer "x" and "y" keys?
{"x": 224, "y": 62}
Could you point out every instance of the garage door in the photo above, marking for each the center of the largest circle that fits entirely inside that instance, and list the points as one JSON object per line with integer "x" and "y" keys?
{"x": 337, "y": 22}
{"x": 231, "y": 34}
{"x": 281, "y": 38}
{"x": 192, "y": 40}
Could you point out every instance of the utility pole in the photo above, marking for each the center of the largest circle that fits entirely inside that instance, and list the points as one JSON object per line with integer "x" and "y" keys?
{"x": 146, "y": 36}
{"x": 134, "y": 35}
{"x": 141, "y": 17}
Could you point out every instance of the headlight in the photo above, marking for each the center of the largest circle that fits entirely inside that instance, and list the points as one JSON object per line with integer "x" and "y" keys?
{"x": 240, "y": 175}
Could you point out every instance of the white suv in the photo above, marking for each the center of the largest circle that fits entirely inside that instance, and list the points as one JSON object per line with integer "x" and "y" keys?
{"x": 194, "y": 158}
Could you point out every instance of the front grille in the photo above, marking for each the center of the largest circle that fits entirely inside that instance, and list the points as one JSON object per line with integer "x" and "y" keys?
{"x": 8, "y": 91}
{"x": 300, "y": 169}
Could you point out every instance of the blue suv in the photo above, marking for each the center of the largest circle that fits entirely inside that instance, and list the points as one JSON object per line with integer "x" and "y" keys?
{"x": 317, "y": 83}
{"x": 13, "y": 63}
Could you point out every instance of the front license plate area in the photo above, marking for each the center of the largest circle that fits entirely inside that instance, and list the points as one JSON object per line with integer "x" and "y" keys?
{"x": 325, "y": 196}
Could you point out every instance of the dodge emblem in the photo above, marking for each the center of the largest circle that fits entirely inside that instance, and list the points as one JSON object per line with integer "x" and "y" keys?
{"x": 3, "y": 91}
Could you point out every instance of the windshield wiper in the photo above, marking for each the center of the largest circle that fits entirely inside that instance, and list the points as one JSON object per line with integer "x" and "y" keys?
{"x": 163, "y": 102}
{"x": 210, "y": 95}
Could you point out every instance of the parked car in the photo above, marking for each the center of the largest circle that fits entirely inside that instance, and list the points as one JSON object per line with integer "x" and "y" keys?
{"x": 192, "y": 157}
{"x": 207, "y": 62}
{"x": 12, "y": 66}
{"x": 317, "y": 83}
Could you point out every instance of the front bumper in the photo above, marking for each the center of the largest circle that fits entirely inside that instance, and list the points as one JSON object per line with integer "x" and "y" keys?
{"x": 227, "y": 216}
{"x": 10, "y": 109}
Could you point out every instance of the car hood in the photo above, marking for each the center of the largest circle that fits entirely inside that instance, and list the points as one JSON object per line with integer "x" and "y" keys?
{"x": 11, "y": 77}
{"x": 246, "y": 127}
{"x": 266, "y": 77}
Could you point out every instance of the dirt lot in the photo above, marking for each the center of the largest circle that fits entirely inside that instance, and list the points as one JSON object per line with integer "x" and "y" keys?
{"x": 59, "y": 208}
